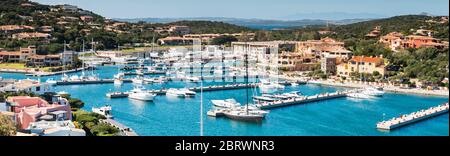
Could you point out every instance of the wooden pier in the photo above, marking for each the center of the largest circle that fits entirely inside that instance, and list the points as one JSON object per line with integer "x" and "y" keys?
{"x": 413, "y": 117}
{"x": 125, "y": 131}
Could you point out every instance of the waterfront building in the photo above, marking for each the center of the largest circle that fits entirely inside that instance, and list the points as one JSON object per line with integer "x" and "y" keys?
{"x": 291, "y": 61}
{"x": 26, "y": 85}
{"x": 9, "y": 57}
{"x": 67, "y": 57}
{"x": 17, "y": 56}
{"x": 362, "y": 64}
{"x": 328, "y": 65}
{"x": 44, "y": 60}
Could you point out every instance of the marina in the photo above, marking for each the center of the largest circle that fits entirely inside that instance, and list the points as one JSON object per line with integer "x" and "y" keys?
{"x": 148, "y": 118}
{"x": 413, "y": 117}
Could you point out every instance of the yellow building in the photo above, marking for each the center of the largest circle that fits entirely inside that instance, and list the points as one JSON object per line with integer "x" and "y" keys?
{"x": 362, "y": 64}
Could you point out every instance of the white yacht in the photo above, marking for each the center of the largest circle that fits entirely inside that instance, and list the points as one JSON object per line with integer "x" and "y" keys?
{"x": 62, "y": 93}
{"x": 138, "y": 93}
{"x": 372, "y": 91}
{"x": 140, "y": 71}
{"x": 137, "y": 80}
{"x": 358, "y": 95}
{"x": 266, "y": 85}
{"x": 294, "y": 84}
{"x": 244, "y": 115}
{"x": 192, "y": 78}
{"x": 180, "y": 92}
{"x": 251, "y": 109}
{"x": 228, "y": 103}
{"x": 51, "y": 81}
{"x": 65, "y": 77}
{"x": 105, "y": 111}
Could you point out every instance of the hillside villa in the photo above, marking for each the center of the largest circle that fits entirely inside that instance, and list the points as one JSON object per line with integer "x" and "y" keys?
{"x": 362, "y": 64}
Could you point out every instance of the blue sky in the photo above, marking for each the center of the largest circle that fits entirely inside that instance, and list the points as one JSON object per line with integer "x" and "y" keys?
{"x": 263, "y": 9}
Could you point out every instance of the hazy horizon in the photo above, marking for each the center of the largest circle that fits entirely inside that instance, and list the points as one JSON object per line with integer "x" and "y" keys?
{"x": 265, "y": 9}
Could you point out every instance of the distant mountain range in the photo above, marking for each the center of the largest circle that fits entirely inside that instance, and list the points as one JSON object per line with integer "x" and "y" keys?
{"x": 252, "y": 23}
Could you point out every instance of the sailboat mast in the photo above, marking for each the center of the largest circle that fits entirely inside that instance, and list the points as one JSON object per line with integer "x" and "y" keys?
{"x": 201, "y": 93}
{"x": 246, "y": 76}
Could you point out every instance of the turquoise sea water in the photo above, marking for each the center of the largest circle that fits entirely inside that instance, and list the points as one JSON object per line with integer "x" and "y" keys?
{"x": 181, "y": 117}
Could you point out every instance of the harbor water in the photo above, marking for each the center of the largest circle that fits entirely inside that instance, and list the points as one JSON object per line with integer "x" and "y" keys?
{"x": 169, "y": 116}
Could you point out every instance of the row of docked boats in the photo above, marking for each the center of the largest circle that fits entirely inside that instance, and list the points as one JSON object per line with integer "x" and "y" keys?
{"x": 276, "y": 97}
{"x": 234, "y": 110}
{"x": 367, "y": 93}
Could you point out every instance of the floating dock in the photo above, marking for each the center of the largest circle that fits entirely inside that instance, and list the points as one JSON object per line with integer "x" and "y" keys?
{"x": 146, "y": 73}
{"x": 413, "y": 117}
{"x": 125, "y": 131}
{"x": 195, "y": 89}
{"x": 81, "y": 82}
{"x": 302, "y": 100}
{"x": 43, "y": 74}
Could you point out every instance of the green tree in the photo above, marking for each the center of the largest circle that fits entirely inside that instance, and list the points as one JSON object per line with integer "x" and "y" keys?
{"x": 7, "y": 127}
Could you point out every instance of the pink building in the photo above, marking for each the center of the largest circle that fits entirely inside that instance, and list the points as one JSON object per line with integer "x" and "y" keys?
{"x": 31, "y": 109}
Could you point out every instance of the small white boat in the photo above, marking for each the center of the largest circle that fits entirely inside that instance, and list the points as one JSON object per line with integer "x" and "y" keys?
{"x": 228, "y": 103}
{"x": 74, "y": 78}
{"x": 137, "y": 80}
{"x": 138, "y": 93}
{"x": 294, "y": 84}
{"x": 358, "y": 95}
{"x": 180, "y": 92}
{"x": 371, "y": 91}
{"x": 267, "y": 86}
{"x": 118, "y": 81}
{"x": 65, "y": 77}
{"x": 244, "y": 115}
{"x": 51, "y": 81}
{"x": 193, "y": 78}
{"x": 119, "y": 75}
{"x": 251, "y": 109}
{"x": 61, "y": 93}
{"x": 140, "y": 71}
{"x": 105, "y": 111}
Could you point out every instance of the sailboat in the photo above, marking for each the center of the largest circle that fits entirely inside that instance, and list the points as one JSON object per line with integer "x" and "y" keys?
{"x": 245, "y": 114}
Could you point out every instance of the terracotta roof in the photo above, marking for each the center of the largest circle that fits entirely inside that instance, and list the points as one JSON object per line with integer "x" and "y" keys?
{"x": 366, "y": 59}
{"x": 10, "y": 53}
{"x": 26, "y": 101}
